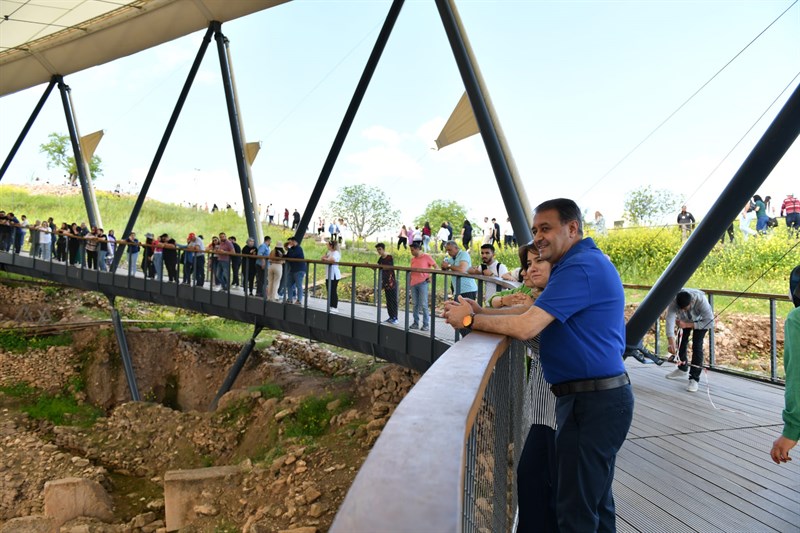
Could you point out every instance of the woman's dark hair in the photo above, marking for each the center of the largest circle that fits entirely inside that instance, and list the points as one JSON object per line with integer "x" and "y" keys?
{"x": 523, "y": 259}
{"x": 467, "y": 224}
{"x": 757, "y": 198}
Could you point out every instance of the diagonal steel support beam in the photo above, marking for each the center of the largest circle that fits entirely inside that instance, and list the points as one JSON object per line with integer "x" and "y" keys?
{"x": 122, "y": 341}
{"x": 233, "y": 373}
{"x": 80, "y": 162}
{"x": 511, "y": 190}
{"x": 349, "y": 116}
{"x": 766, "y": 154}
{"x": 165, "y": 139}
{"x": 27, "y": 126}
{"x": 237, "y": 134}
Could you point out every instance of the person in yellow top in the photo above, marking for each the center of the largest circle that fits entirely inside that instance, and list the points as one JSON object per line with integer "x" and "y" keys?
{"x": 791, "y": 365}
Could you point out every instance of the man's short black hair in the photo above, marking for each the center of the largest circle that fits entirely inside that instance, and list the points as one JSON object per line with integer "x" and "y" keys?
{"x": 567, "y": 209}
{"x": 380, "y": 245}
{"x": 683, "y": 299}
{"x": 487, "y": 246}
{"x": 415, "y": 244}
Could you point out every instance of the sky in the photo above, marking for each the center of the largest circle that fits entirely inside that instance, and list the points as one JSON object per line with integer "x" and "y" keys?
{"x": 576, "y": 86}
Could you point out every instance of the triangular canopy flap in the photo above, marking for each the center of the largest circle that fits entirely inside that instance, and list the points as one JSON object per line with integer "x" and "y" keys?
{"x": 89, "y": 143}
{"x": 251, "y": 151}
{"x": 460, "y": 125}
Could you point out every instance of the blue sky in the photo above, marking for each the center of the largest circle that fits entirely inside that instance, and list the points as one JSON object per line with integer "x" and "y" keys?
{"x": 576, "y": 86}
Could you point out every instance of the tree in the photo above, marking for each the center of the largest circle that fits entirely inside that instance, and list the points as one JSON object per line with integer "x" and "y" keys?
{"x": 366, "y": 209}
{"x": 646, "y": 205}
{"x": 57, "y": 156}
{"x": 439, "y": 211}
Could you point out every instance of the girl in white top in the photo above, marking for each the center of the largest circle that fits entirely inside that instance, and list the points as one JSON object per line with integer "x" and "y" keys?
{"x": 333, "y": 256}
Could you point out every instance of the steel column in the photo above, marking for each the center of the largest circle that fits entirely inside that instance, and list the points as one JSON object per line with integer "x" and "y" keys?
{"x": 236, "y": 134}
{"x": 80, "y": 163}
{"x": 259, "y": 235}
{"x": 513, "y": 196}
{"x": 164, "y": 140}
{"x": 347, "y": 121}
{"x": 127, "y": 362}
{"x": 27, "y": 127}
{"x": 769, "y": 150}
{"x": 233, "y": 373}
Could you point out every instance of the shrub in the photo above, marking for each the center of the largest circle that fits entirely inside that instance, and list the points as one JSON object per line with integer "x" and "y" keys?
{"x": 268, "y": 390}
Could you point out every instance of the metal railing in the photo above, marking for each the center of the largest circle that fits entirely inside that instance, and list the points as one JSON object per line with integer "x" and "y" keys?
{"x": 445, "y": 460}
{"x": 197, "y": 269}
{"x": 772, "y": 299}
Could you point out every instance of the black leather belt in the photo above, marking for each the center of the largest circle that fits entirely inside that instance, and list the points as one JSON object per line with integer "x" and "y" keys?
{"x": 590, "y": 385}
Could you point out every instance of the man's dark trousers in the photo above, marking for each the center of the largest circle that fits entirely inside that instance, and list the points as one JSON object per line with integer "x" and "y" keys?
{"x": 592, "y": 427}
{"x": 697, "y": 351}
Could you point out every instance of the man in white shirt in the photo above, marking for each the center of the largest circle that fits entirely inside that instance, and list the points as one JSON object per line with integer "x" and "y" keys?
{"x": 489, "y": 267}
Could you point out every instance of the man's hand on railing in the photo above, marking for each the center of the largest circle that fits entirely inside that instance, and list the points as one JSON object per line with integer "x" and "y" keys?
{"x": 455, "y": 311}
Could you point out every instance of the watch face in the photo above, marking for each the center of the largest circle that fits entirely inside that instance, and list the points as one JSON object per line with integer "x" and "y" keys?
{"x": 467, "y": 321}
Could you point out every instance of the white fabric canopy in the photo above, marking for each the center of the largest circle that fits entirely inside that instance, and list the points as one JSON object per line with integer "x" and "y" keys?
{"x": 40, "y": 38}
{"x": 460, "y": 125}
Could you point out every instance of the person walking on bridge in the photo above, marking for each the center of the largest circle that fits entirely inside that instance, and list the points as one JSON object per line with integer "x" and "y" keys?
{"x": 580, "y": 315}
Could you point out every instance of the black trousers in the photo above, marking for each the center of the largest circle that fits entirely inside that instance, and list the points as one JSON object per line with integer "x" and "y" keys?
{"x": 333, "y": 285}
{"x": 697, "y": 350}
{"x": 536, "y": 481}
{"x": 391, "y": 301}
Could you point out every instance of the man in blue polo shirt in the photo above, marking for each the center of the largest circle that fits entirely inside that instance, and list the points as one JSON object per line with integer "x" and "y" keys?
{"x": 580, "y": 317}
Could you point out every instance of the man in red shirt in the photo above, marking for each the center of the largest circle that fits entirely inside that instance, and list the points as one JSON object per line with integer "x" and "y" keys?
{"x": 791, "y": 206}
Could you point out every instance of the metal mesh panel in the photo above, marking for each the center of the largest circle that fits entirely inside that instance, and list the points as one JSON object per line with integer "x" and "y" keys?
{"x": 493, "y": 447}
{"x": 511, "y": 403}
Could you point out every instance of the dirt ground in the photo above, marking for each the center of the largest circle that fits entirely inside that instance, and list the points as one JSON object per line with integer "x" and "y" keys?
{"x": 287, "y": 482}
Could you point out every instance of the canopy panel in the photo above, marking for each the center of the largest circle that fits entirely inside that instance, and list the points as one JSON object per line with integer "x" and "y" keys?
{"x": 40, "y": 38}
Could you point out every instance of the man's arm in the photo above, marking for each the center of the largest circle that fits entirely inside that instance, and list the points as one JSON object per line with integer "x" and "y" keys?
{"x": 522, "y": 326}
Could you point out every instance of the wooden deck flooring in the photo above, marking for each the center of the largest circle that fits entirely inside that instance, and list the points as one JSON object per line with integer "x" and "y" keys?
{"x": 700, "y": 461}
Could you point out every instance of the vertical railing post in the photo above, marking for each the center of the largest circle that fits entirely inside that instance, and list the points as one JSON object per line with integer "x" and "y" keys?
{"x": 773, "y": 340}
{"x": 658, "y": 337}
{"x": 712, "y": 354}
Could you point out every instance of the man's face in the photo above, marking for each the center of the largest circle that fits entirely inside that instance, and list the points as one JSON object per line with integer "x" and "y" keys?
{"x": 452, "y": 250}
{"x": 415, "y": 251}
{"x": 552, "y": 238}
{"x": 223, "y": 237}
{"x": 381, "y": 251}
{"x": 683, "y": 209}
{"x": 487, "y": 256}
{"x": 133, "y": 236}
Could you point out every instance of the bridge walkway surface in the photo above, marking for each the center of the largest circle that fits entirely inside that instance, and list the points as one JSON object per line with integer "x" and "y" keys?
{"x": 700, "y": 462}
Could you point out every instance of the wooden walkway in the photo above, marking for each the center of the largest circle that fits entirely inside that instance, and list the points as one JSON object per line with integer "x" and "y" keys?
{"x": 700, "y": 461}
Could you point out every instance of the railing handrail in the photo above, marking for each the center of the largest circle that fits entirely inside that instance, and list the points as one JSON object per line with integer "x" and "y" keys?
{"x": 721, "y": 292}
{"x": 407, "y": 481}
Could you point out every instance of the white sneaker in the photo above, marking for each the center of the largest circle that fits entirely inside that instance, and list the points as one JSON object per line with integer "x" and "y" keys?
{"x": 693, "y": 386}
{"x": 676, "y": 374}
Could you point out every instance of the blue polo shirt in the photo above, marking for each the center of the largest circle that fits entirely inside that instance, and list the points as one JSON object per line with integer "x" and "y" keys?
{"x": 587, "y": 338}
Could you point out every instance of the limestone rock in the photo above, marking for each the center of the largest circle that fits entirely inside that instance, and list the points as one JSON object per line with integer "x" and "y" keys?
{"x": 28, "y": 524}
{"x": 69, "y": 498}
